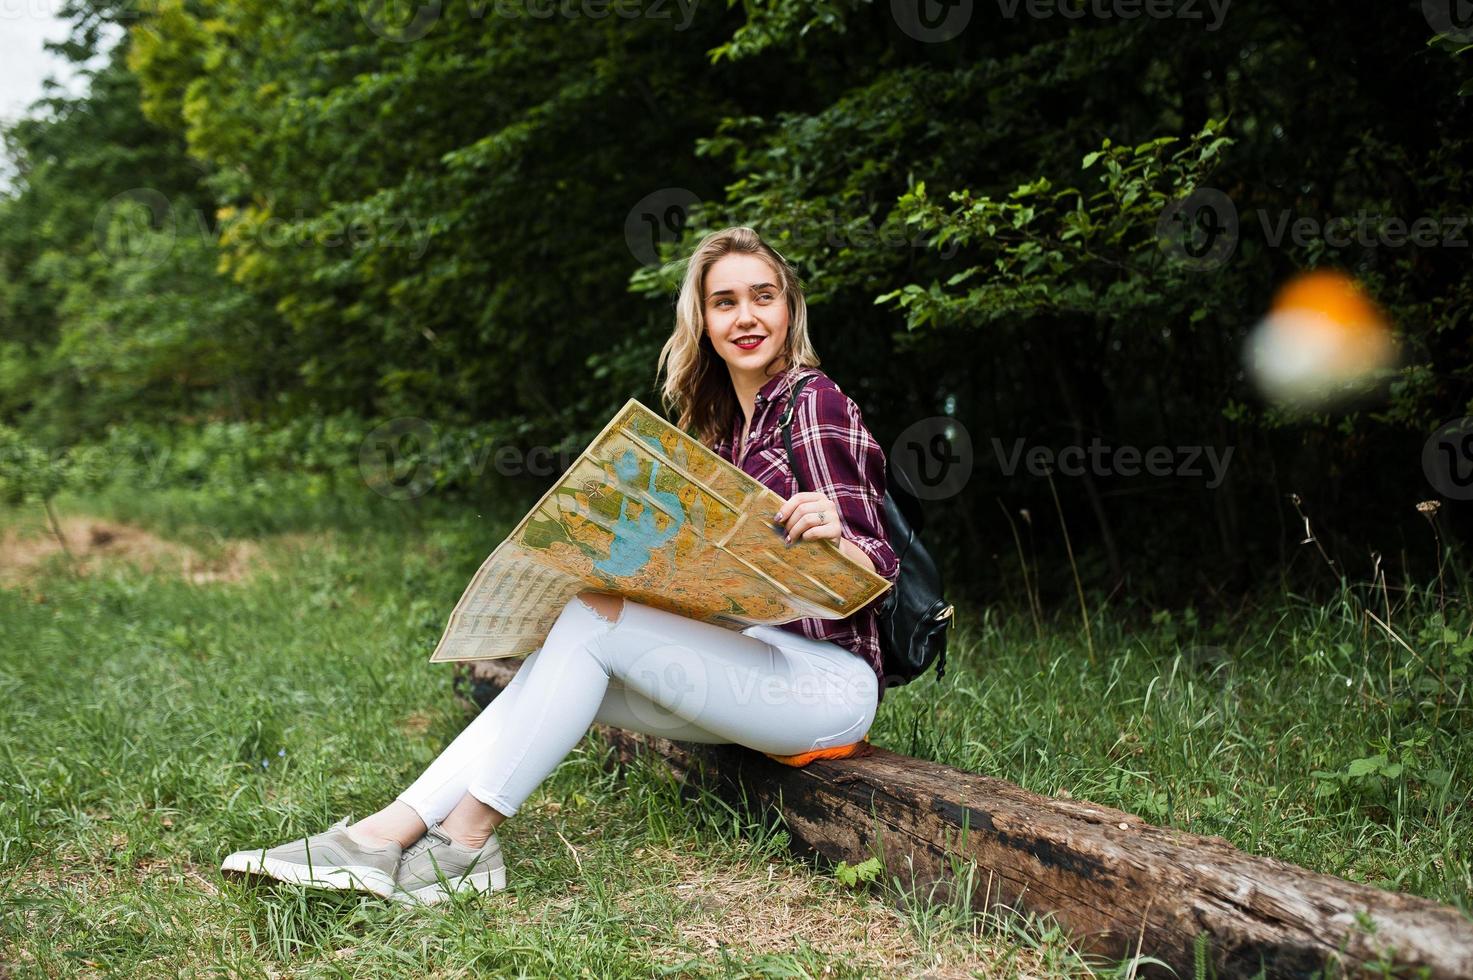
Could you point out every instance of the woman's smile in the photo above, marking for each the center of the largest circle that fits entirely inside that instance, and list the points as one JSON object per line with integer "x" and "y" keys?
{"x": 749, "y": 341}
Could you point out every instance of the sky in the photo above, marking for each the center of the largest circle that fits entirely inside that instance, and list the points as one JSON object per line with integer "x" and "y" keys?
{"x": 24, "y": 26}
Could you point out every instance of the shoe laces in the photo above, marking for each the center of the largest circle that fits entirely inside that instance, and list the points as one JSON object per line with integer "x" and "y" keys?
{"x": 432, "y": 835}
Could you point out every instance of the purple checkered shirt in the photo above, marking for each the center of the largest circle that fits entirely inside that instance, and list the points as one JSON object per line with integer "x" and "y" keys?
{"x": 839, "y": 458}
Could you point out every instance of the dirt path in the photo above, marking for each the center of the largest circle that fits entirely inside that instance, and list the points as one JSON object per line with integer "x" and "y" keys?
{"x": 29, "y": 548}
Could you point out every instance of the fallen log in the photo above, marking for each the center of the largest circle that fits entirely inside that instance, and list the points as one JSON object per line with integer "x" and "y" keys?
{"x": 1115, "y": 883}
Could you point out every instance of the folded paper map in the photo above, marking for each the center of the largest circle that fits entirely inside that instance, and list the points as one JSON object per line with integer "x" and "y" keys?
{"x": 649, "y": 513}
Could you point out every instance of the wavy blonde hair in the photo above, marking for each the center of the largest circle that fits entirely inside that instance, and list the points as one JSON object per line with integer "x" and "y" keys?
{"x": 697, "y": 389}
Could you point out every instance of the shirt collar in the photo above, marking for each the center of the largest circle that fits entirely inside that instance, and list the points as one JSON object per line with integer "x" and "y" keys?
{"x": 776, "y": 386}
{"x": 772, "y": 390}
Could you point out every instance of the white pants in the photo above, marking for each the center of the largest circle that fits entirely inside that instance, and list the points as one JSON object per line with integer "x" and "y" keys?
{"x": 656, "y": 672}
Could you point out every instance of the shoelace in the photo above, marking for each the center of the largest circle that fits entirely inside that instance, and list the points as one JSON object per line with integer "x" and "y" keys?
{"x": 425, "y": 841}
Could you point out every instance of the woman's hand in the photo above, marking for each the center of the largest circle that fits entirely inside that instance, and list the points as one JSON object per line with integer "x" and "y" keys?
{"x": 808, "y": 516}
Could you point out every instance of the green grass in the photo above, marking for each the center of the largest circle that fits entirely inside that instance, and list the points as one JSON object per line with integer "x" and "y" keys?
{"x": 1300, "y": 731}
{"x": 151, "y": 726}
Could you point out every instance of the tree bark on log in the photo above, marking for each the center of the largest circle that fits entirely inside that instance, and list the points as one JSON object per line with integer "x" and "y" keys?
{"x": 1112, "y": 881}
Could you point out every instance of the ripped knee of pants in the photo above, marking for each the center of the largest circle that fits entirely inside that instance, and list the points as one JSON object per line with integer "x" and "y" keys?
{"x": 609, "y": 609}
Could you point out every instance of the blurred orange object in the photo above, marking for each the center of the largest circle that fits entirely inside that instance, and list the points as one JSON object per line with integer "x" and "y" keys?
{"x": 850, "y": 751}
{"x": 1323, "y": 338}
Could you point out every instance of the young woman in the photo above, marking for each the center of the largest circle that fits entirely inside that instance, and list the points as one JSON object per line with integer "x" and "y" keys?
{"x": 740, "y": 341}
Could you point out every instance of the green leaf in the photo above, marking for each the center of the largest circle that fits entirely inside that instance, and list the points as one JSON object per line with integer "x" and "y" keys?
{"x": 1366, "y": 766}
{"x": 851, "y": 875}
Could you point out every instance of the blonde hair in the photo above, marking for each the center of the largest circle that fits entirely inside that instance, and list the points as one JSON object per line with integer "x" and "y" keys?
{"x": 697, "y": 389}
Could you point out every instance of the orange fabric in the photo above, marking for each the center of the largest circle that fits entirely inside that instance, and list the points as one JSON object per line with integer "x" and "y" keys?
{"x": 852, "y": 750}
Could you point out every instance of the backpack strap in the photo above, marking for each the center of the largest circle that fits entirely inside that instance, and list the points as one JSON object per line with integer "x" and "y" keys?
{"x": 786, "y": 422}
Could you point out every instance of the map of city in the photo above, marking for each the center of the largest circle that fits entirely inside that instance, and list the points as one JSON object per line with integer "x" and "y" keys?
{"x": 648, "y": 513}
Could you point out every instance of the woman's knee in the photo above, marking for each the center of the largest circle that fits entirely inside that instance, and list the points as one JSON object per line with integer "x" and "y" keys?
{"x": 609, "y": 608}
{"x": 583, "y": 621}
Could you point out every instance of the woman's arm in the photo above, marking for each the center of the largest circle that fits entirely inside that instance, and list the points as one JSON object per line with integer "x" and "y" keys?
{"x": 857, "y": 553}
{"x": 839, "y": 459}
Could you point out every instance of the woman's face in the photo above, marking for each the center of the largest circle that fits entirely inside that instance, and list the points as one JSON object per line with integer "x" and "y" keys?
{"x": 746, "y": 313}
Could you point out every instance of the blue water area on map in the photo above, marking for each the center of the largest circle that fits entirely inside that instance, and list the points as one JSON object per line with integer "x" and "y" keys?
{"x": 635, "y": 539}
{"x": 653, "y": 441}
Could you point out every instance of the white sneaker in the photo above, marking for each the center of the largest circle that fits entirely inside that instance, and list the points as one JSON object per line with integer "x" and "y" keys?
{"x": 330, "y": 859}
{"x": 435, "y": 867}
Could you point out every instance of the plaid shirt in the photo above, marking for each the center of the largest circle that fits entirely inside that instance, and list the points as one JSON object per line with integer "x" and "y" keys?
{"x": 839, "y": 458}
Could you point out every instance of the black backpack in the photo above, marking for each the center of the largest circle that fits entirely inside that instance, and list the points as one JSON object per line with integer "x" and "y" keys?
{"x": 913, "y": 615}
